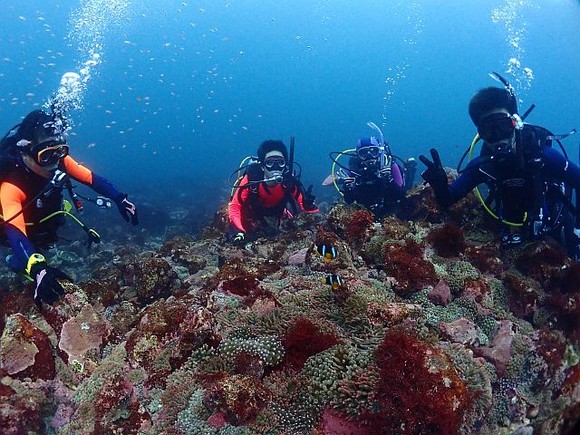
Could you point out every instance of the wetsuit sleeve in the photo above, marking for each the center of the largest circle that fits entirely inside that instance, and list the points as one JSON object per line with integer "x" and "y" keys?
{"x": 99, "y": 184}
{"x": 235, "y": 210}
{"x": 471, "y": 177}
{"x": 12, "y": 198}
{"x": 558, "y": 167}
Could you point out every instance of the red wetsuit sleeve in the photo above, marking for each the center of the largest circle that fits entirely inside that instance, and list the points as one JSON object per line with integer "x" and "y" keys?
{"x": 235, "y": 210}
{"x": 78, "y": 171}
{"x": 12, "y": 198}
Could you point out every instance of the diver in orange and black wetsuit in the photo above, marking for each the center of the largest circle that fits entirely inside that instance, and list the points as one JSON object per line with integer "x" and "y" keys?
{"x": 35, "y": 167}
{"x": 262, "y": 196}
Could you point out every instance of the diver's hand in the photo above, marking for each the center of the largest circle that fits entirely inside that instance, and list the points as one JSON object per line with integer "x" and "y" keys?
{"x": 348, "y": 183}
{"x": 239, "y": 239}
{"x": 48, "y": 289}
{"x": 127, "y": 209}
{"x": 308, "y": 200}
{"x": 435, "y": 175}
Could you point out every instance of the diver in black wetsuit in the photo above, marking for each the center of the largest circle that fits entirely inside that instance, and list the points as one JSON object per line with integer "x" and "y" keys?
{"x": 529, "y": 180}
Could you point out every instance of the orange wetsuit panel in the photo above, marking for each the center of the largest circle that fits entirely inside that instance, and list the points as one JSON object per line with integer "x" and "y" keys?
{"x": 78, "y": 171}
{"x": 12, "y": 198}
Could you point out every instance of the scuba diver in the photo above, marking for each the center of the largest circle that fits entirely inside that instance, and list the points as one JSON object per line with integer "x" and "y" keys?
{"x": 373, "y": 177}
{"x": 530, "y": 183}
{"x": 35, "y": 167}
{"x": 268, "y": 191}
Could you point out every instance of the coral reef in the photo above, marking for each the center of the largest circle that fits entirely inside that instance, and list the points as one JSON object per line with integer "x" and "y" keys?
{"x": 433, "y": 330}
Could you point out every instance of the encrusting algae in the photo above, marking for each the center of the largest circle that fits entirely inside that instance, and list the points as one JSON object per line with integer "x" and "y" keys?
{"x": 432, "y": 330}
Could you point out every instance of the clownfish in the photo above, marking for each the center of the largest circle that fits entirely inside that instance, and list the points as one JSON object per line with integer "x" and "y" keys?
{"x": 334, "y": 281}
{"x": 329, "y": 252}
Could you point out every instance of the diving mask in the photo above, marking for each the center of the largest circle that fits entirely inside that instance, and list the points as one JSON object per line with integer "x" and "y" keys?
{"x": 498, "y": 126}
{"x": 50, "y": 151}
{"x": 368, "y": 153}
{"x": 51, "y": 155}
{"x": 273, "y": 163}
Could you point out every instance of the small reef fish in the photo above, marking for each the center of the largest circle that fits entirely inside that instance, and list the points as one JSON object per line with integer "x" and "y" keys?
{"x": 329, "y": 252}
{"x": 334, "y": 281}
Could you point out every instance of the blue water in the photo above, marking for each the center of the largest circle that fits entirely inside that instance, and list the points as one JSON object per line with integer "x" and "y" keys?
{"x": 185, "y": 90}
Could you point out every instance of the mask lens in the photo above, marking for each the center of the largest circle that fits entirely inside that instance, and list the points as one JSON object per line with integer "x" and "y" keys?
{"x": 494, "y": 129}
{"x": 275, "y": 163}
{"x": 368, "y": 153}
{"x": 52, "y": 154}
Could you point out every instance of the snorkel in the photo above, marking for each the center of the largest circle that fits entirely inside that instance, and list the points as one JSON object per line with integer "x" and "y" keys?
{"x": 386, "y": 156}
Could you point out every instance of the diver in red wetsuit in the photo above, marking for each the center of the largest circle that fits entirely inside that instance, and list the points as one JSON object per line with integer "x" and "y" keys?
{"x": 35, "y": 167}
{"x": 268, "y": 191}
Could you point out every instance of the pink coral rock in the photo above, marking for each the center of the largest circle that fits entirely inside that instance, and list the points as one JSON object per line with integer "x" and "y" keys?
{"x": 333, "y": 423}
{"x": 16, "y": 351}
{"x": 499, "y": 353}
{"x": 26, "y": 350}
{"x": 462, "y": 331}
{"x": 84, "y": 332}
{"x": 441, "y": 294}
{"x": 298, "y": 258}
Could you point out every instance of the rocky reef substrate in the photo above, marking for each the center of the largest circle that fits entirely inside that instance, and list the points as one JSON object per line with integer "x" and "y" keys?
{"x": 432, "y": 329}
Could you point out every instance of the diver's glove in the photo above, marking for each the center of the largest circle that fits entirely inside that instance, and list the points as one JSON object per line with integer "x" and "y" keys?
{"x": 348, "y": 183}
{"x": 127, "y": 209}
{"x": 239, "y": 238}
{"x": 48, "y": 289}
{"x": 435, "y": 175}
{"x": 308, "y": 200}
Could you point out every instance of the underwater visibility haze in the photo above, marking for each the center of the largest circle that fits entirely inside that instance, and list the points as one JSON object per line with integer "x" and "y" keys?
{"x": 419, "y": 324}
{"x": 180, "y": 92}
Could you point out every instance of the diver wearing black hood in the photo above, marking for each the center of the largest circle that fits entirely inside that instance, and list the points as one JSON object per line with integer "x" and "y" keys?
{"x": 36, "y": 167}
{"x": 529, "y": 180}
{"x": 268, "y": 190}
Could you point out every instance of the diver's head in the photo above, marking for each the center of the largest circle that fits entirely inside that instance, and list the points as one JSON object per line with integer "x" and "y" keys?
{"x": 273, "y": 157}
{"x": 491, "y": 99}
{"x": 368, "y": 150}
{"x": 498, "y": 129}
{"x": 43, "y": 138}
{"x": 494, "y": 113}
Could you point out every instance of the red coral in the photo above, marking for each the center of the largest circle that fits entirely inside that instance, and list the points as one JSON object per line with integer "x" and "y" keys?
{"x": 448, "y": 240}
{"x": 485, "y": 258}
{"x": 248, "y": 287}
{"x": 20, "y": 414}
{"x": 406, "y": 264}
{"x": 324, "y": 237}
{"x": 115, "y": 394}
{"x": 551, "y": 346}
{"x": 522, "y": 299}
{"x": 541, "y": 261}
{"x": 242, "y": 285}
{"x": 419, "y": 390}
{"x": 572, "y": 381}
{"x": 357, "y": 225}
{"x": 303, "y": 340}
